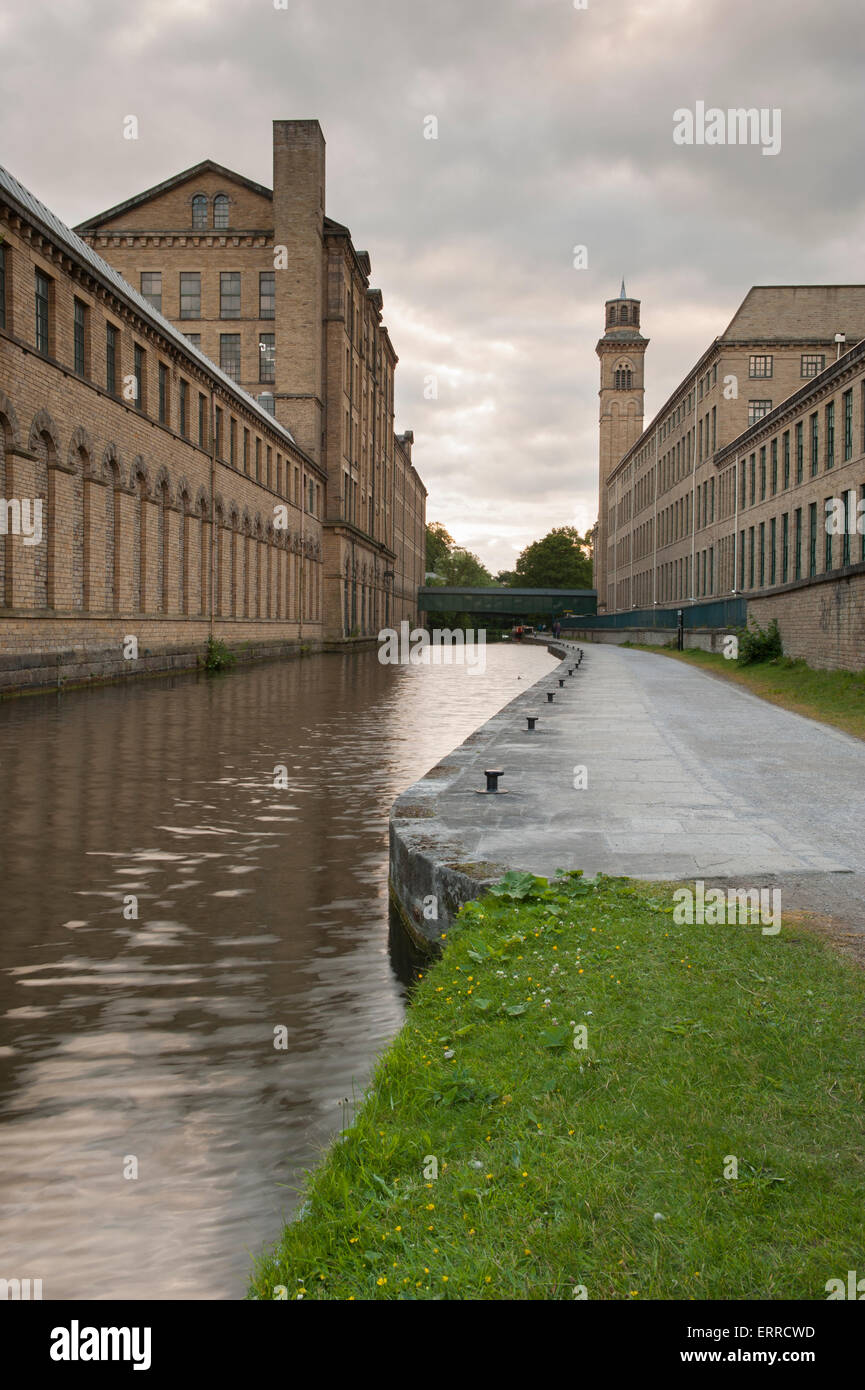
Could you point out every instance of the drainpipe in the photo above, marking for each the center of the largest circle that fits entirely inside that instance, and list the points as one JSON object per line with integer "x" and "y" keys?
{"x": 693, "y": 499}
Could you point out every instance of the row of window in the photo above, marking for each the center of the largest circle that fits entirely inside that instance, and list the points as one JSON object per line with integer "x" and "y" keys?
{"x": 229, "y": 293}
{"x": 772, "y": 464}
{"x": 772, "y": 552}
{"x": 762, "y": 364}
{"x": 201, "y": 211}
{"x": 193, "y": 407}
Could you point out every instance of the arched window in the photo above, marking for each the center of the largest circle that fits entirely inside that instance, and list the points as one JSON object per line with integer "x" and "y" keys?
{"x": 623, "y": 376}
{"x": 199, "y": 210}
{"x": 220, "y": 210}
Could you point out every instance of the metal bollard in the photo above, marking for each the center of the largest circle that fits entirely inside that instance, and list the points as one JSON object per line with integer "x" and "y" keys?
{"x": 492, "y": 788}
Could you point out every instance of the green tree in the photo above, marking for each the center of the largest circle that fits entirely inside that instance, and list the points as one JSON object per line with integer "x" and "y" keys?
{"x": 439, "y": 544}
{"x": 561, "y": 560}
{"x": 463, "y": 568}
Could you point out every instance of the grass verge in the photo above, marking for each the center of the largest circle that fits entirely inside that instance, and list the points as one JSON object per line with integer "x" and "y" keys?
{"x": 495, "y": 1159}
{"x": 831, "y": 697}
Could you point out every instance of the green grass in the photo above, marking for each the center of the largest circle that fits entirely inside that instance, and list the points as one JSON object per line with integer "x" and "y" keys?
{"x": 703, "y": 1042}
{"x": 831, "y": 697}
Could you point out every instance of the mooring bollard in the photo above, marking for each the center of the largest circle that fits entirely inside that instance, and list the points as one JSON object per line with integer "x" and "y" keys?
{"x": 551, "y": 695}
{"x": 533, "y": 719}
{"x": 561, "y": 682}
{"x": 570, "y": 670}
{"x": 492, "y": 788}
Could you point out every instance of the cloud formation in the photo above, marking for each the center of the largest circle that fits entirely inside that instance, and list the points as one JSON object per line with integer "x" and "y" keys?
{"x": 555, "y": 129}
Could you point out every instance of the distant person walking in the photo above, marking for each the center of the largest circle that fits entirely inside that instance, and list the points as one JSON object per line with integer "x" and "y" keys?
{"x": 557, "y": 628}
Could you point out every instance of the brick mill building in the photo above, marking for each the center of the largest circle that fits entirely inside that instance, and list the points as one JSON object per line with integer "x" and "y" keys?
{"x": 174, "y": 503}
{"x": 727, "y": 491}
{"x": 275, "y": 292}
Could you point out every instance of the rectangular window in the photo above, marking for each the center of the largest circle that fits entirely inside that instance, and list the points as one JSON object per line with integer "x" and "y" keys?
{"x": 194, "y": 339}
{"x": 830, "y": 435}
{"x": 812, "y": 539}
{"x": 773, "y": 541}
{"x": 163, "y": 393}
{"x": 111, "y": 359}
{"x": 229, "y": 354}
{"x": 714, "y": 427}
{"x": 151, "y": 288}
{"x": 246, "y": 451}
{"x": 2, "y": 286}
{"x": 267, "y": 294}
{"x": 797, "y": 530}
{"x": 848, "y": 425}
{"x": 202, "y": 421}
{"x": 267, "y": 357}
{"x": 860, "y": 522}
{"x": 849, "y": 524}
{"x": 786, "y": 458}
{"x": 742, "y": 483}
{"x": 138, "y": 374}
{"x": 800, "y": 452}
{"x": 763, "y": 473}
{"x": 757, "y": 409}
{"x": 218, "y": 432}
{"x": 257, "y": 460}
{"x": 815, "y": 444}
{"x": 785, "y": 547}
{"x": 762, "y": 554}
{"x": 750, "y": 557}
{"x": 812, "y": 363}
{"x": 232, "y": 442}
{"x": 79, "y": 324}
{"x": 190, "y": 294}
{"x": 761, "y": 365}
{"x": 753, "y": 467}
{"x": 774, "y": 466}
{"x": 43, "y": 303}
{"x": 827, "y": 543}
{"x": 184, "y": 410}
{"x": 229, "y": 294}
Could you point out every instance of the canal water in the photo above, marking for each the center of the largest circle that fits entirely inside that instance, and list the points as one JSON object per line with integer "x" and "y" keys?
{"x": 145, "y": 1044}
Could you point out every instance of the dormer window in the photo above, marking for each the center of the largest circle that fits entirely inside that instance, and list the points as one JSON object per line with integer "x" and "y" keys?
{"x": 199, "y": 211}
{"x": 220, "y": 210}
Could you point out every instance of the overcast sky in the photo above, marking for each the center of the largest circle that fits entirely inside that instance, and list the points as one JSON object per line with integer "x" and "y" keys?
{"x": 555, "y": 129}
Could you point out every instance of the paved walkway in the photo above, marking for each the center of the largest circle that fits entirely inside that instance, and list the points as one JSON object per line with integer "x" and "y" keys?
{"x": 688, "y": 777}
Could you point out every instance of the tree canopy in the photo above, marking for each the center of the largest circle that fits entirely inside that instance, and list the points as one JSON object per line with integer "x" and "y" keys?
{"x": 561, "y": 560}
{"x": 451, "y": 563}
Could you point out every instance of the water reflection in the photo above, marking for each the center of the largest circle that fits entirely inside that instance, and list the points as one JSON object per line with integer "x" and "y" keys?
{"x": 151, "y": 1037}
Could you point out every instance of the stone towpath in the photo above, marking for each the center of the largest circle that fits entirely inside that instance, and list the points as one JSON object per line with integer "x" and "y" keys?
{"x": 688, "y": 777}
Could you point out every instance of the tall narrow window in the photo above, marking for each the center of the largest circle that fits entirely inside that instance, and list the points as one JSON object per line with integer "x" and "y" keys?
{"x": 43, "y": 303}
{"x": 229, "y": 294}
{"x": 184, "y": 409}
{"x": 232, "y": 442}
{"x": 827, "y": 532}
{"x": 111, "y": 359}
{"x": 786, "y": 458}
{"x": 812, "y": 539}
{"x": 800, "y": 452}
{"x": 762, "y": 554}
{"x": 267, "y": 357}
{"x": 267, "y": 294}
{"x": 220, "y": 210}
{"x": 773, "y": 541}
{"x": 163, "y": 393}
{"x": 199, "y": 211}
{"x": 202, "y": 421}
{"x": 785, "y": 547}
{"x": 830, "y": 435}
{"x": 797, "y": 529}
{"x": 815, "y": 444}
{"x": 79, "y": 325}
{"x": 138, "y": 375}
{"x": 774, "y": 452}
{"x": 848, "y": 425}
{"x": 2, "y": 286}
{"x": 190, "y": 294}
{"x": 229, "y": 354}
{"x": 151, "y": 288}
{"x": 763, "y": 473}
{"x": 218, "y": 433}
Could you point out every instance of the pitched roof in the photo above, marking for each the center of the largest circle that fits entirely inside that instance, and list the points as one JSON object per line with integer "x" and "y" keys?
{"x": 58, "y": 231}
{"x": 207, "y": 166}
